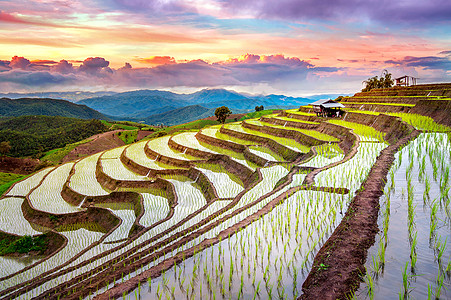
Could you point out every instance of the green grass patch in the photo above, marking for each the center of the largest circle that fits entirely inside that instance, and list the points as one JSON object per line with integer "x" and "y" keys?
{"x": 125, "y": 125}
{"x": 56, "y": 155}
{"x": 8, "y": 179}
{"x": 256, "y": 114}
{"x": 23, "y": 244}
{"x": 421, "y": 122}
{"x": 128, "y": 136}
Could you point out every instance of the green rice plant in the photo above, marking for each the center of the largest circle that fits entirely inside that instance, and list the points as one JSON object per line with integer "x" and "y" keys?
{"x": 427, "y": 188}
{"x": 294, "y": 120}
{"x": 441, "y": 248}
{"x": 370, "y": 284}
{"x": 413, "y": 253}
{"x": 405, "y": 288}
{"x": 363, "y": 130}
{"x": 439, "y": 280}
{"x": 421, "y": 122}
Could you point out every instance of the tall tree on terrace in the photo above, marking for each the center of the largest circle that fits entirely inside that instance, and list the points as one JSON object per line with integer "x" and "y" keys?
{"x": 222, "y": 113}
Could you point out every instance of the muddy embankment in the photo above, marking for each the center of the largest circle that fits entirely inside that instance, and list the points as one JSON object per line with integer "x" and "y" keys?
{"x": 439, "y": 110}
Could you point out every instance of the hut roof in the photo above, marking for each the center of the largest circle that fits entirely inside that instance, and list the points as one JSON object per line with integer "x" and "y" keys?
{"x": 327, "y": 103}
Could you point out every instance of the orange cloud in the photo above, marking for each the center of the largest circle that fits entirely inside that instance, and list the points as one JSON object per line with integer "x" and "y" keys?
{"x": 157, "y": 60}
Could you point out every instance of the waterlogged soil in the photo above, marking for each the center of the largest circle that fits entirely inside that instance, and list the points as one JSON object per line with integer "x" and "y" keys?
{"x": 388, "y": 278}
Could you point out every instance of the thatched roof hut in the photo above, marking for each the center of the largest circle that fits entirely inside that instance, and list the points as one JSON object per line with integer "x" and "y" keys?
{"x": 327, "y": 108}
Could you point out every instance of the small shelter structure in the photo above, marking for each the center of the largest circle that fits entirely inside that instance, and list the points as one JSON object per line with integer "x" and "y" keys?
{"x": 327, "y": 108}
{"x": 405, "y": 81}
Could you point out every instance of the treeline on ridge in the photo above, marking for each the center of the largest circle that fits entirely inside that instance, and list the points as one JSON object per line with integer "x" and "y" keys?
{"x": 33, "y": 135}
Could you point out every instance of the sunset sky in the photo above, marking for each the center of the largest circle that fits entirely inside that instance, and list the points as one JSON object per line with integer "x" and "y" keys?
{"x": 292, "y": 47}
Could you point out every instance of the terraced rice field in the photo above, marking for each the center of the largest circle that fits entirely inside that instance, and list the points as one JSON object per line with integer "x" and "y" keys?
{"x": 221, "y": 216}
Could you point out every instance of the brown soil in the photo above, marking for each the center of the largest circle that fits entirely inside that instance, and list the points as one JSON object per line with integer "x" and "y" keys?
{"x": 143, "y": 133}
{"x": 339, "y": 265}
{"x": 100, "y": 142}
{"x": 16, "y": 165}
{"x": 439, "y": 110}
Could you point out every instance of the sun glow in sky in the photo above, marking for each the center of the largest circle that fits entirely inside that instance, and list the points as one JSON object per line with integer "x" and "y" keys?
{"x": 293, "y": 47}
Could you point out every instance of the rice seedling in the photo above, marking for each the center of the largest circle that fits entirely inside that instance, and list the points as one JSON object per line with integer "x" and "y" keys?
{"x": 367, "y": 133}
{"x": 421, "y": 122}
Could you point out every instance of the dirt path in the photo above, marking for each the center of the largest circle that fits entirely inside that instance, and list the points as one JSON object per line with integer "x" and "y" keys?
{"x": 339, "y": 265}
{"x": 100, "y": 142}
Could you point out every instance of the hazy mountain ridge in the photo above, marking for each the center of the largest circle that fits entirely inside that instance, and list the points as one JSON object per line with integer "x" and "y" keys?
{"x": 151, "y": 106}
{"x": 46, "y": 107}
{"x": 156, "y": 106}
{"x": 180, "y": 115}
{"x": 69, "y": 96}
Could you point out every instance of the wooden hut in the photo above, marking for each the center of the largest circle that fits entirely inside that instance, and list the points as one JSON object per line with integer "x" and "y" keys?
{"x": 327, "y": 108}
{"x": 405, "y": 81}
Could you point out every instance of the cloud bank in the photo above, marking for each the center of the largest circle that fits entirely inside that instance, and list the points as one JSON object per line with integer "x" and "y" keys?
{"x": 276, "y": 72}
{"x": 164, "y": 72}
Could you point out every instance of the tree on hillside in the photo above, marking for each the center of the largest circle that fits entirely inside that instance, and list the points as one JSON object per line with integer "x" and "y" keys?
{"x": 5, "y": 147}
{"x": 222, "y": 113}
{"x": 259, "y": 108}
{"x": 385, "y": 81}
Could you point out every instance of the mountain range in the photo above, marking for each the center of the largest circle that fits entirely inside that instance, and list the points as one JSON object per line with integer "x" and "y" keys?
{"x": 148, "y": 106}
{"x": 47, "y": 107}
{"x": 153, "y": 105}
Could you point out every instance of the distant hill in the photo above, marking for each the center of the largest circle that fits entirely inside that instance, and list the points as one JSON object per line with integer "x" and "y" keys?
{"x": 32, "y": 135}
{"x": 270, "y": 101}
{"x": 180, "y": 115}
{"x": 128, "y": 104}
{"x": 213, "y": 95}
{"x": 151, "y": 106}
{"x": 70, "y": 96}
{"x": 46, "y": 107}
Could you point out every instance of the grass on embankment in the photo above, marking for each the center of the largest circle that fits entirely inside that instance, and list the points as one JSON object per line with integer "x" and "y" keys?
{"x": 8, "y": 179}
{"x": 128, "y": 136}
{"x": 126, "y": 125}
{"x": 23, "y": 244}
{"x": 56, "y": 155}
{"x": 256, "y": 114}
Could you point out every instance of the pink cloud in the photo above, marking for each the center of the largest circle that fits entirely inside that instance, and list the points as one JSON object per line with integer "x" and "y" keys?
{"x": 63, "y": 67}
{"x": 19, "y": 63}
